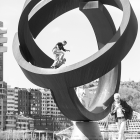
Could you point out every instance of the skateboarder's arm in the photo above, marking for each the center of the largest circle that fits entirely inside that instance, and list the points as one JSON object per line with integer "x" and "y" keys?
{"x": 64, "y": 49}
{"x": 68, "y": 50}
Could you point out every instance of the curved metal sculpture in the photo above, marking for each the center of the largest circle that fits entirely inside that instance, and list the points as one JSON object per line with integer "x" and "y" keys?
{"x": 105, "y": 64}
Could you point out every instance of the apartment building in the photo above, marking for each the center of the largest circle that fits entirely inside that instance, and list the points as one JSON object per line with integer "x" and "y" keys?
{"x": 10, "y": 115}
{"x": 38, "y": 108}
{"x": 44, "y": 101}
{"x": 24, "y": 123}
{"x": 10, "y": 121}
{"x": 16, "y": 100}
{"x": 52, "y": 109}
{"x": 24, "y": 104}
{"x": 17, "y": 109}
{"x": 35, "y": 102}
{"x": 45, "y": 112}
{"x": 56, "y": 121}
{"x": 10, "y": 100}
{"x": 39, "y": 105}
{"x": 12, "y": 108}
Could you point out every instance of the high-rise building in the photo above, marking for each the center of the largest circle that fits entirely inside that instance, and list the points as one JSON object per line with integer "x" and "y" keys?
{"x": 3, "y": 85}
{"x": 38, "y": 108}
{"x": 24, "y": 104}
{"x": 35, "y": 102}
{"x": 2, "y": 48}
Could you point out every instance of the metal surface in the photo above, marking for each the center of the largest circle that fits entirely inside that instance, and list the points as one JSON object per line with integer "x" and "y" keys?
{"x": 105, "y": 64}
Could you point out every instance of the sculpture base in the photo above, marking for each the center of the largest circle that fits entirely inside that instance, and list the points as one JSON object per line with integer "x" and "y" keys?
{"x": 86, "y": 131}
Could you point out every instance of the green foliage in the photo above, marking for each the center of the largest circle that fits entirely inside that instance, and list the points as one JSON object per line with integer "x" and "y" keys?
{"x": 130, "y": 92}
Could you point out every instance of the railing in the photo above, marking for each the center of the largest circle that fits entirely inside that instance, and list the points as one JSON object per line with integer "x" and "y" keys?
{"x": 109, "y": 130}
{"x": 112, "y": 135}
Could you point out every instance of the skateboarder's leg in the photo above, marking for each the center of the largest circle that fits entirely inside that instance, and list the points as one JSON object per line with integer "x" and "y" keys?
{"x": 61, "y": 57}
{"x": 56, "y": 55}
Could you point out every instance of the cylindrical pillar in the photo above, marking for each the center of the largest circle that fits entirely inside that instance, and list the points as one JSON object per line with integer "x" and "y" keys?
{"x": 86, "y": 131}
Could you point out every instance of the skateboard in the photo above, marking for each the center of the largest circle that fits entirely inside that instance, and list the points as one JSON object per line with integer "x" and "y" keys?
{"x": 58, "y": 64}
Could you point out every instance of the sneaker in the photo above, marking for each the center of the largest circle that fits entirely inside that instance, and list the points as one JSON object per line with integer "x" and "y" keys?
{"x": 52, "y": 66}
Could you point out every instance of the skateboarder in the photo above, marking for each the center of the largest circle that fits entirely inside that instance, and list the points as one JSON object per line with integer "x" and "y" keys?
{"x": 58, "y": 52}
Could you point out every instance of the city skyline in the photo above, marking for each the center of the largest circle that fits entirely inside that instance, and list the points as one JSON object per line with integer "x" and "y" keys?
{"x": 79, "y": 35}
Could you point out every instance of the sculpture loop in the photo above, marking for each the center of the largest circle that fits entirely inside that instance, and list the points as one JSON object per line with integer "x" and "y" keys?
{"x": 105, "y": 64}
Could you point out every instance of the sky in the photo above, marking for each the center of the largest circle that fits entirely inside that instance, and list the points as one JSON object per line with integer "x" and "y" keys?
{"x": 72, "y": 27}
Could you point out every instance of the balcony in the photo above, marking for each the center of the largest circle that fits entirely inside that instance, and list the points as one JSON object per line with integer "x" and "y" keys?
{"x": 10, "y": 125}
{"x": 10, "y": 120}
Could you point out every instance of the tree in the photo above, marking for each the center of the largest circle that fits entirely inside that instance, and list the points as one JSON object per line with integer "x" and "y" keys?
{"x": 130, "y": 92}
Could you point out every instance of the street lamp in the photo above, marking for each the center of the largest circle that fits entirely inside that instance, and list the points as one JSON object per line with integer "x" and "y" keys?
{"x": 34, "y": 135}
{"x": 46, "y": 133}
{"x": 53, "y": 134}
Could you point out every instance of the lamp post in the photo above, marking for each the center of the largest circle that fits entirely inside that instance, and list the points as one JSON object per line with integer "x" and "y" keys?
{"x": 53, "y": 134}
{"x": 46, "y": 133}
{"x": 34, "y": 133}
{"x": 39, "y": 135}
{"x": 23, "y": 136}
